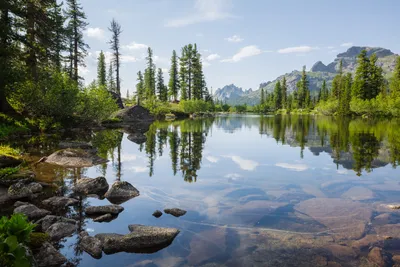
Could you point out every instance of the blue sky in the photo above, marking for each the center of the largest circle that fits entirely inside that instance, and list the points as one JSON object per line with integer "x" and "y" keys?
{"x": 242, "y": 42}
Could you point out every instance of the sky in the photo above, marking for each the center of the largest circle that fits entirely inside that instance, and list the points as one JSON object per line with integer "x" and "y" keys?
{"x": 244, "y": 42}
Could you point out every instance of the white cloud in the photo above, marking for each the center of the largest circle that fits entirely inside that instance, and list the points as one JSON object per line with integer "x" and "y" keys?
{"x": 128, "y": 59}
{"x": 297, "y": 49}
{"x": 244, "y": 164}
{"x": 212, "y": 57}
{"x": 206, "y": 64}
{"x": 342, "y": 171}
{"x": 294, "y": 167}
{"x": 234, "y": 39}
{"x": 346, "y": 44}
{"x": 135, "y": 46}
{"x": 138, "y": 168}
{"x": 205, "y": 11}
{"x": 164, "y": 70}
{"x": 233, "y": 176}
{"x": 212, "y": 159}
{"x": 96, "y": 33}
{"x": 247, "y": 51}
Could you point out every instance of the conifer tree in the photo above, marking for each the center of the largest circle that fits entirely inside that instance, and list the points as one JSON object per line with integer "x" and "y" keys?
{"x": 111, "y": 79}
{"x": 377, "y": 82}
{"x": 278, "y": 95}
{"x": 284, "y": 92}
{"x": 303, "y": 97}
{"x": 115, "y": 29}
{"x": 150, "y": 75}
{"x": 198, "y": 81}
{"x": 395, "y": 81}
{"x": 140, "y": 90}
{"x": 161, "y": 89}
{"x": 262, "y": 97}
{"x": 324, "y": 91}
{"x": 101, "y": 70}
{"x": 361, "y": 79}
{"x": 173, "y": 84}
{"x": 183, "y": 85}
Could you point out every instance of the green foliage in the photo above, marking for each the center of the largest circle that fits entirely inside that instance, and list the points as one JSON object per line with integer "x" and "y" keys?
{"x": 14, "y": 236}
{"x": 9, "y": 125}
{"x": 195, "y": 106}
{"x": 101, "y": 70}
{"x": 173, "y": 85}
{"x": 162, "y": 90}
{"x": 36, "y": 240}
{"x": 5, "y": 172}
{"x": 9, "y": 151}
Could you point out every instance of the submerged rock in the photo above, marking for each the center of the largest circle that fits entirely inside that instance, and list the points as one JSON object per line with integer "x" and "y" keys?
{"x": 7, "y": 161}
{"x": 137, "y": 138}
{"x": 105, "y": 218}
{"x": 60, "y": 202}
{"x": 31, "y": 211}
{"x": 175, "y": 212}
{"x": 75, "y": 144}
{"x": 75, "y": 157}
{"x": 121, "y": 192}
{"x": 88, "y": 186}
{"x": 60, "y": 230}
{"x": 142, "y": 239}
{"x": 45, "y": 223}
{"x": 49, "y": 256}
{"x": 157, "y": 214}
{"x": 23, "y": 190}
{"x": 92, "y": 246}
{"x": 378, "y": 257}
{"x": 101, "y": 210}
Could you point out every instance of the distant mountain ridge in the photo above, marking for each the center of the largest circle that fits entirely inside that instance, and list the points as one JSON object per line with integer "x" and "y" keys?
{"x": 319, "y": 72}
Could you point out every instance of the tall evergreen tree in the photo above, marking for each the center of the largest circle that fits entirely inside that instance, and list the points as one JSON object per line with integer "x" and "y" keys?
{"x": 262, "y": 97}
{"x": 173, "y": 84}
{"x": 361, "y": 79}
{"x": 140, "y": 90}
{"x": 58, "y": 35}
{"x": 111, "y": 80}
{"x": 377, "y": 81}
{"x": 183, "y": 83}
{"x": 284, "y": 92}
{"x": 101, "y": 70}
{"x": 198, "y": 79}
{"x": 115, "y": 29}
{"x": 303, "y": 97}
{"x": 324, "y": 91}
{"x": 395, "y": 81}
{"x": 150, "y": 75}
{"x": 278, "y": 95}
{"x": 161, "y": 89}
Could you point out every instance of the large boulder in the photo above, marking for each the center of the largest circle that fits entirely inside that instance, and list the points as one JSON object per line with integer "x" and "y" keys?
{"x": 23, "y": 190}
{"x": 7, "y": 161}
{"x": 92, "y": 246}
{"x": 49, "y": 256}
{"x": 44, "y": 224}
{"x": 101, "y": 210}
{"x": 75, "y": 157}
{"x": 142, "y": 239}
{"x": 59, "y": 230}
{"x": 31, "y": 211}
{"x": 175, "y": 212}
{"x": 60, "y": 202}
{"x": 120, "y": 192}
{"x": 134, "y": 114}
{"x": 88, "y": 186}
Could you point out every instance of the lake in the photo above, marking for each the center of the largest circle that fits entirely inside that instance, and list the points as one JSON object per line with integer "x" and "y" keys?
{"x": 258, "y": 190}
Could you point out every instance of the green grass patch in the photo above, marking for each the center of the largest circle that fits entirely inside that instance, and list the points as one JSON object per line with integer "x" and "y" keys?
{"x": 9, "y": 151}
{"x": 5, "y": 172}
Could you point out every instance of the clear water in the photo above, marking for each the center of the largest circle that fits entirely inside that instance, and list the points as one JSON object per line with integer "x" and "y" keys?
{"x": 259, "y": 191}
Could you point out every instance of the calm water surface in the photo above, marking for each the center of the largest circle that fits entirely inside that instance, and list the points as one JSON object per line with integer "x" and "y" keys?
{"x": 259, "y": 191}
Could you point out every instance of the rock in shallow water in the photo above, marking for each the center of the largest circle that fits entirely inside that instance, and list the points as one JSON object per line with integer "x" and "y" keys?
{"x": 74, "y": 158}
{"x": 49, "y": 256}
{"x": 44, "y": 223}
{"x": 101, "y": 210}
{"x": 157, "y": 214}
{"x": 31, "y": 211}
{"x": 121, "y": 192}
{"x": 23, "y": 190}
{"x": 92, "y": 246}
{"x": 6, "y": 161}
{"x": 60, "y": 230}
{"x": 378, "y": 257}
{"x": 88, "y": 186}
{"x": 60, "y": 202}
{"x": 175, "y": 212}
{"x": 105, "y": 218}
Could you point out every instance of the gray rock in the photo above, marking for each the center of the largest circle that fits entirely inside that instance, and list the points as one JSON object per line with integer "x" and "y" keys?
{"x": 101, "y": 210}
{"x": 105, "y": 218}
{"x": 49, "y": 256}
{"x": 175, "y": 212}
{"x": 104, "y": 237}
{"x": 31, "y": 211}
{"x": 92, "y": 246}
{"x": 20, "y": 203}
{"x": 44, "y": 224}
{"x": 6, "y": 161}
{"x": 134, "y": 114}
{"x": 82, "y": 234}
{"x": 379, "y": 258}
{"x": 75, "y": 157}
{"x": 75, "y": 144}
{"x": 142, "y": 239}
{"x": 24, "y": 176}
{"x": 22, "y": 190}
{"x": 97, "y": 186}
{"x": 121, "y": 192}
{"x": 60, "y": 202}
{"x": 137, "y": 138}
{"x": 59, "y": 230}
{"x": 157, "y": 214}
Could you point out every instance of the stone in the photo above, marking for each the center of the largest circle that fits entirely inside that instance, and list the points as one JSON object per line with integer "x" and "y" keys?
{"x": 101, "y": 210}
{"x": 358, "y": 193}
{"x": 74, "y": 144}
{"x": 105, "y": 237}
{"x": 49, "y": 256}
{"x": 45, "y": 223}
{"x": 8, "y": 161}
{"x": 120, "y": 192}
{"x": 157, "y": 214}
{"x": 378, "y": 257}
{"x": 98, "y": 186}
{"x": 142, "y": 239}
{"x": 134, "y": 114}
{"x": 367, "y": 241}
{"x": 342, "y": 252}
{"x": 22, "y": 190}
{"x": 20, "y": 203}
{"x": 60, "y": 202}
{"x": 59, "y": 230}
{"x": 175, "y": 212}
{"x": 137, "y": 138}
{"x": 31, "y": 211}
{"x": 92, "y": 246}
{"x": 74, "y": 158}
{"x": 23, "y": 176}
{"x": 105, "y": 218}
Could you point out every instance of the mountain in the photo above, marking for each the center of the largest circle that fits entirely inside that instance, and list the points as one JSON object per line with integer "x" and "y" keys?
{"x": 317, "y": 74}
{"x": 229, "y": 93}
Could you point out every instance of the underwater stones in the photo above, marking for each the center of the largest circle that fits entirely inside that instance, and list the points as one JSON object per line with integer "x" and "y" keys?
{"x": 175, "y": 212}
{"x": 74, "y": 144}
{"x": 157, "y": 214}
{"x": 92, "y": 246}
{"x": 31, "y": 211}
{"x": 137, "y": 138}
{"x": 45, "y": 223}
{"x": 49, "y": 256}
{"x": 75, "y": 157}
{"x": 378, "y": 257}
{"x": 358, "y": 193}
{"x": 101, "y": 210}
{"x": 120, "y": 192}
{"x": 105, "y": 218}
{"x": 60, "y": 202}
{"x": 88, "y": 186}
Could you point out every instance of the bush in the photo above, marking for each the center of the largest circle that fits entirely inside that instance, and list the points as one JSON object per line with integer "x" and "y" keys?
{"x": 195, "y": 106}
{"x": 328, "y": 107}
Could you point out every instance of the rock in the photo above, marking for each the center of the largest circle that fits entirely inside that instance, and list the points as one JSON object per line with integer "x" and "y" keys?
{"x": 74, "y": 144}
{"x": 378, "y": 257}
{"x": 134, "y": 114}
{"x": 319, "y": 66}
{"x": 60, "y": 202}
{"x": 105, "y": 237}
{"x": 23, "y": 176}
{"x": 59, "y": 230}
{"x": 142, "y": 239}
{"x": 105, "y": 218}
{"x": 101, "y": 210}
{"x": 88, "y": 186}
{"x": 358, "y": 193}
{"x": 7, "y": 161}
{"x": 157, "y": 214}
{"x": 92, "y": 246}
{"x": 31, "y": 211}
{"x": 49, "y": 256}
{"x": 20, "y": 203}
{"x": 175, "y": 212}
{"x": 137, "y": 138}
{"x": 75, "y": 157}
{"x": 121, "y": 192}
{"x": 45, "y": 223}
{"x": 82, "y": 234}
{"x": 22, "y": 190}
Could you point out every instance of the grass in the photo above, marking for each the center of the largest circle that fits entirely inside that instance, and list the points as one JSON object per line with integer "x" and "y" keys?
{"x": 5, "y": 172}
{"x": 9, "y": 152}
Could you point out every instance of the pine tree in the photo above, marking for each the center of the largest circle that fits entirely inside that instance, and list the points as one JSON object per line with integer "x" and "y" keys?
{"x": 161, "y": 89}
{"x": 183, "y": 75}
{"x": 76, "y": 27}
{"x": 262, "y": 97}
{"x": 140, "y": 90}
{"x": 284, "y": 92}
{"x": 150, "y": 75}
{"x": 324, "y": 91}
{"x": 101, "y": 70}
{"x": 303, "y": 97}
{"x": 111, "y": 79}
{"x": 198, "y": 81}
{"x": 395, "y": 81}
{"x": 278, "y": 95}
{"x": 377, "y": 82}
{"x": 361, "y": 80}
{"x": 127, "y": 94}
{"x": 115, "y": 29}
{"x": 58, "y": 35}
{"x": 173, "y": 84}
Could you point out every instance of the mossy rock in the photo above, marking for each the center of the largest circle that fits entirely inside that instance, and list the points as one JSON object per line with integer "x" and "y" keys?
{"x": 36, "y": 240}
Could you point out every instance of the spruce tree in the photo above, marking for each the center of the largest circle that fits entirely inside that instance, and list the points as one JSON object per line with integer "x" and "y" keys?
{"x": 361, "y": 80}
{"x": 278, "y": 95}
{"x": 284, "y": 92}
{"x": 183, "y": 73}
{"x": 111, "y": 79}
{"x": 198, "y": 82}
{"x": 150, "y": 75}
{"x": 376, "y": 80}
{"x": 395, "y": 81}
{"x": 140, "y": 90}
{"x": 101, "y": 70}
{"x": 262, "y": 97}
{"x": 173, "y": 84}
{"x": 115, "y": 29}
{"x": 58, "y": 35}
{"x": 324, "y": 91}
{"x": 161, "y": 89}
{"x": 303, "y": 97}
